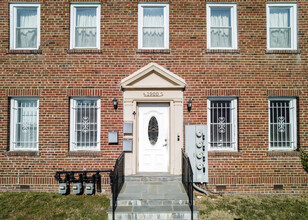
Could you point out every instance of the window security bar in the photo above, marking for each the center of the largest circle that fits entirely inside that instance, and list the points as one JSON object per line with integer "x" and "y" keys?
{"x": 222, "y": 108}
{"x": 34, "y": 108}
{"x": 281, "y": 124}
{"x": 88, "y": 142}
{"x": 84, "y": 107}
{"x": 275, "y": 107}
{"x": 86, "y": 124}
{"x": 21, "y": 142}
{"x": 273, "y": 142}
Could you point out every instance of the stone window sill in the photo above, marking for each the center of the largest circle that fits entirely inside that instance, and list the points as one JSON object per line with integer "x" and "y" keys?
{"x": 22, "y": 153}
{"x": 84, "y": 154}
{"x": 83, "y": 51}
{"x": 236, "y": 51}
{"x": 223, "y": 154}
{"x": 282, "y": 51}
{"x": 161, "y": 51}
{"x": 283, "y": 153}
{"x": 24, "y": 51}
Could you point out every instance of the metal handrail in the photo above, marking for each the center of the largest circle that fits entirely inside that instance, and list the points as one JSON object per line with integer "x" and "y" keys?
{"x": 117, "y": 181}
{"x": 187, "y": 180}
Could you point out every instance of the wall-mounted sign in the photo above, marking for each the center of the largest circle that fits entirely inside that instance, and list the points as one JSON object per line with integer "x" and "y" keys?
{"x": 153, "y": 94}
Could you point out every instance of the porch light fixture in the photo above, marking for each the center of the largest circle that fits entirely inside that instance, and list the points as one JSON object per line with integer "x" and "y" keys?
{"x": 115, "y": 103}
{"x": 189, "y": 105}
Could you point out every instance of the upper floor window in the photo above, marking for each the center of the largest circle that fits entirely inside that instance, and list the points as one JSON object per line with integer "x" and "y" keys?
{"x": 281, "y": 26}
{"x": 24, "y": 26}
{"x": 85, "y": 26}
{"x": 153, "y": 26}
{"x": 221, "y": 26}
{"x": 282, "y": 123}
{"x": 85, "y": 124}
{"x": 222, "y": 124}
{"x": 24, "y": 124}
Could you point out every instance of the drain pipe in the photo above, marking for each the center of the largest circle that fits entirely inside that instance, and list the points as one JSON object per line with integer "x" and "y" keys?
{"x": 201, "y": 190}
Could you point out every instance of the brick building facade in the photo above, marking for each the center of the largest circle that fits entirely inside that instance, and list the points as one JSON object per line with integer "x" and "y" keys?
{"x": 263, "y": 77}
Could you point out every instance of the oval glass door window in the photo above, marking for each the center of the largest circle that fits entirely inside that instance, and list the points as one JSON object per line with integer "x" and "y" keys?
{"x": 153, "y": 130}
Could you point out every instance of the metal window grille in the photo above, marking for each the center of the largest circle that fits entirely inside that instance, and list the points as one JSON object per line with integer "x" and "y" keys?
{"x": 281, "y": 128}
{"x": 85, "y": 124}
{"x": 25, "y": 124}
{"x": 221, "y": 125}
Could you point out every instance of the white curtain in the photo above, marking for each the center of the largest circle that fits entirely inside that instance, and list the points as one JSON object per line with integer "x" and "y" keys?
{"x": 85, "y": 32}
{"x": 26, "y": 132}
{"x": 153, "y": 27}
{"x": 26, "y": 30}
{"x": 221, "y": 31}
{"x": 280, "y": 28}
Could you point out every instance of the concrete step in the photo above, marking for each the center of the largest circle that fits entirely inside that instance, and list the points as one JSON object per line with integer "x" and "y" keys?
{"x": 153, "y": 212}
{"x": 151, "y": 202}
{"x": 152, "y": 194}
{"x": 153, "y": 177}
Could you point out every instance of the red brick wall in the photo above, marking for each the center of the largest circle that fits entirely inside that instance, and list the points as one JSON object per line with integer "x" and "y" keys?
{"x": 54, "y": 73}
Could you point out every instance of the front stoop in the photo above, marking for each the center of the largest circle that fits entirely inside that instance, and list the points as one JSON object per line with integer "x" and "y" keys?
{"x": 152, "y": 196}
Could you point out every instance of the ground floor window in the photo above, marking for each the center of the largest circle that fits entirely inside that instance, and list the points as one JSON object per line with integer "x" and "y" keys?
{"x": 85, "y": 124}
{"x": 24, "y": 123}
{"x": 282, "y": 123}
{"x": 222, "y": 124}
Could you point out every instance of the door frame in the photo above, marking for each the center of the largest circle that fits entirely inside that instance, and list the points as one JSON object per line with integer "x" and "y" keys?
{"x": 154, "y": 84}
{"x": 137, "y": 133}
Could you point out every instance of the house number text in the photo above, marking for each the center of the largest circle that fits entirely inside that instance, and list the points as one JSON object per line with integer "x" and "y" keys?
{"x": 153, "y": 94}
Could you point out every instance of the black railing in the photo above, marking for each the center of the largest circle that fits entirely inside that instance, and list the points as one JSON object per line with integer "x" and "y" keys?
{"x": 117, "y": 181}
{"x": 187, "y": 180}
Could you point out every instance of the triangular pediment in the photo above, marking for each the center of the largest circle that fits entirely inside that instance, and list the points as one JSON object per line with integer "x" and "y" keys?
{"x": 153, "y": 76}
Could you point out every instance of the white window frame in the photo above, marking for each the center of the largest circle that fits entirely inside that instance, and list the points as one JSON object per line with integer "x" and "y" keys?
{"x": 13, "y": 120}
{"x": 233, "y": 114}
{"x": 233, "y": 14}
{"x": 166, "y": 24}
{"x": 293, "y": 122}
{"x": 72, "y": 124}
{"x": 73, "y": 24}
{"x": 293, "y": 23}
{"x": 13, "y": 24}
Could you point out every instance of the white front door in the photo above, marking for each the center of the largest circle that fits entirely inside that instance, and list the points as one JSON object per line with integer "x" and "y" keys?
{"x": 153, "y": 137}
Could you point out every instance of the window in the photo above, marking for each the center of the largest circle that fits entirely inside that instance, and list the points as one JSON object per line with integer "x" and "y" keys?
{"x": 24, "y": 26}
{"x": 85, "y": 124}
{"x": 85, "y": 26}
{"x": 222, "y": 124}
{"x": 221, "y": 26}
{"x": 281, "y": 26}
{"x": 282, "y": 123}
{"x": 153, "y": 26}
{"x": 24, "y": 124}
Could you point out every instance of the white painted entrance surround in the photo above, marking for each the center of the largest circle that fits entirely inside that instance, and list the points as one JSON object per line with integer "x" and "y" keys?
{"x": 154, "y": 85}
{"x": 153, "y": 157}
